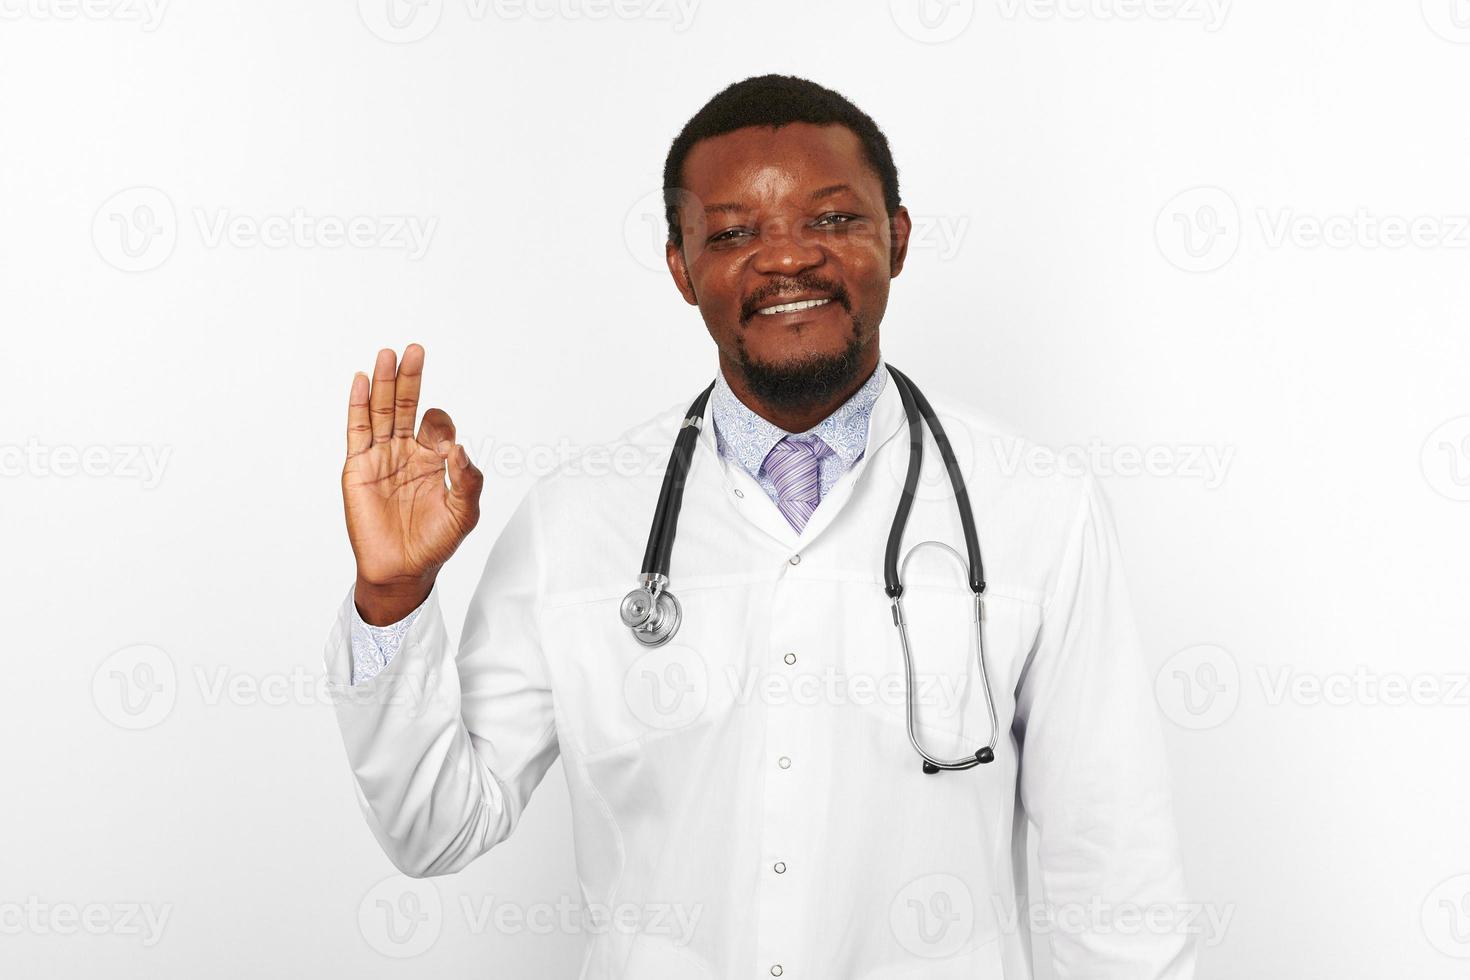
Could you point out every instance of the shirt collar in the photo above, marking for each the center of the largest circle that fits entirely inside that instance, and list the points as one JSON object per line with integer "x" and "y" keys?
{"x": 743, "y": 434}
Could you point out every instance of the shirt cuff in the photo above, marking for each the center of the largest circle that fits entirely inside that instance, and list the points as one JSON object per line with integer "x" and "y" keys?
{"x": 373, "y": 647}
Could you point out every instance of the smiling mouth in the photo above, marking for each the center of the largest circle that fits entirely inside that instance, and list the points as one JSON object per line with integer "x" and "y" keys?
{"x": 805, "y": 304}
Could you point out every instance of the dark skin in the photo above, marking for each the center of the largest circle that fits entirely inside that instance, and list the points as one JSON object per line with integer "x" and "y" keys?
{"x": 768, "y": 212}
{"x": 794, "y": 213}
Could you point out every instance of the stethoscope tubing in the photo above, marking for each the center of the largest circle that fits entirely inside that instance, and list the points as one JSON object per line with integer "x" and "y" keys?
{"x": 659, "y": 551}
{"x": 916, "y": 406}
{"x": 653, "y": 624}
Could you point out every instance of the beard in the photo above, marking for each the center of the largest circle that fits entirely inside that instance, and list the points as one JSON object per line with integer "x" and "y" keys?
{"x": 806, "y": 381}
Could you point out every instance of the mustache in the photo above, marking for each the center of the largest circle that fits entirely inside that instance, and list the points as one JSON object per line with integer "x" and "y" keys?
{"x": 793, "y": 287}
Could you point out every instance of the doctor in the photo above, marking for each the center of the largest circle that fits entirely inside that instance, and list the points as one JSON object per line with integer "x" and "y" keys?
{"x": 754, "y": 774}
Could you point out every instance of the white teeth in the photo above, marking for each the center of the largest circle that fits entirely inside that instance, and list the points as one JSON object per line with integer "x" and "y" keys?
{"x": 805, "y": 304}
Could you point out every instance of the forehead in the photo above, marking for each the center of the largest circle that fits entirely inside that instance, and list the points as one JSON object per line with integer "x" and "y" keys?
{"x": 763, "y": 163}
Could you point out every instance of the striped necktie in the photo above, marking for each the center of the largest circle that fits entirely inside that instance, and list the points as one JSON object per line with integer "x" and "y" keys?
{"x": 795, "y": 468}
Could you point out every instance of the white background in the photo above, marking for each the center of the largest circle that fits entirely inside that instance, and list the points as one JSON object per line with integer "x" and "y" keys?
{"x": 1116, "y": 205}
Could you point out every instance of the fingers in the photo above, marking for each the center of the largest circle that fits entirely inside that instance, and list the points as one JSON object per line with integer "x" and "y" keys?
{"x": 436, "y": 427}
{"x": 359, "y": 428}
{"x": 406, "y": 391}
{"x": 380, "y": 404}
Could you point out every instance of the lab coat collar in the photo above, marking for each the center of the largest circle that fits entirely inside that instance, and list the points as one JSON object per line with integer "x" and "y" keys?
{"x": 741, "y": 490}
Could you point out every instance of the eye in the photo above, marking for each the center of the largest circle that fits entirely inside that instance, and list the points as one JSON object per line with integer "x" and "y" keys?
{"x": 728, "y": 235}
{"x": 832, "y": 219}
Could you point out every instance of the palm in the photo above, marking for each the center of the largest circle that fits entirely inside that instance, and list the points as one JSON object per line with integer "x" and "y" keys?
{"x": 403, "y": 521}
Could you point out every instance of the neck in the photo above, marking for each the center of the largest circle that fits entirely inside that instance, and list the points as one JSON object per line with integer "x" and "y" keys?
{"x": 798, "y": 418}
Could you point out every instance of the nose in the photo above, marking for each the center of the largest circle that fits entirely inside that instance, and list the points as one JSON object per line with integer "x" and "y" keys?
{"x": 782, "y": 252}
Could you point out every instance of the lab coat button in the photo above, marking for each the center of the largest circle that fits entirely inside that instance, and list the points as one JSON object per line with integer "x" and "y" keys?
{"x": 776, "y": 970}
{"x": 790, "y": 658}
{"x": 784, "y": 762}
{"x": 795, "y": 559}
{"x": 739, "y": 492}
{"x": 780, "y": 867}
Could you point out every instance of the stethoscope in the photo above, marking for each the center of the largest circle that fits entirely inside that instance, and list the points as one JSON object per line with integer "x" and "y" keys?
{"x": 653, "y": 613}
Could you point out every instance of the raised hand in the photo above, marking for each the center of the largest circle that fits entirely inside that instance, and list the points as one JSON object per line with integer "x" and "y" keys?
{"x": 404, "y": 523}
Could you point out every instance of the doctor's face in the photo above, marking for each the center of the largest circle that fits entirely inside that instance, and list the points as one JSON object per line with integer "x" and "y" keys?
{"x": 772, "y": 217}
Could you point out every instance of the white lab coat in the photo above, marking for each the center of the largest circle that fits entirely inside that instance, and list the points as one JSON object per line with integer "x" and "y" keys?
{"x": 756, "y": 774}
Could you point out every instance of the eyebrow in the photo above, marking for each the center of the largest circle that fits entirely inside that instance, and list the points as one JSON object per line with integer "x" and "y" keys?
{"x": 817, "y": 195}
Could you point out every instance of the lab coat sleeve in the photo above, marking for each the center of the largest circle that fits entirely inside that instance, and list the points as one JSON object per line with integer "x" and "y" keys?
{"x": 446, "y": 750}
{"x": 1094, "y": 777}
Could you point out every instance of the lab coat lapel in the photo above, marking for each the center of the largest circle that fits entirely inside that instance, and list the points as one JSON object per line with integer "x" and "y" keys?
{"x": 740, "y": 490}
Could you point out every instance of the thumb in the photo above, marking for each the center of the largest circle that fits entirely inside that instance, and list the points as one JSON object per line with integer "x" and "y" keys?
{"x": 465, "y": 482}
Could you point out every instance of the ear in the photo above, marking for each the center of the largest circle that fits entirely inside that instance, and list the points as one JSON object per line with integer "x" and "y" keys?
{"x": 674, "y": 256}
{"x": 899, "y": 227}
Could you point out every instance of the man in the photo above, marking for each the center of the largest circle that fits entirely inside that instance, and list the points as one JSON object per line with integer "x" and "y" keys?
{"x": 755, "y": 775}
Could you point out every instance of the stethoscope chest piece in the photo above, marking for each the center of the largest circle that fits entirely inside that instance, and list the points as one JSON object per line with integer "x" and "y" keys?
{"x": 651, "y": 612}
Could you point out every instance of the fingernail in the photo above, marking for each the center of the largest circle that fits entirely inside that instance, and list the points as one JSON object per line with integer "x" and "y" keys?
{"x": 444, "y": 447}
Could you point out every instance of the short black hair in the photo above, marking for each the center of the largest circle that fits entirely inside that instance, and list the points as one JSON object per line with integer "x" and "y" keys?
{"x": 775, "y": 101}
